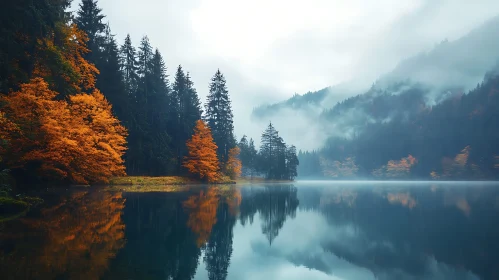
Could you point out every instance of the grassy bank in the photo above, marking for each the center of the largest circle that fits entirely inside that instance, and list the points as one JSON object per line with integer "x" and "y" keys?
{"x": 157, "y": 184}
{"x": 158, "y": 181}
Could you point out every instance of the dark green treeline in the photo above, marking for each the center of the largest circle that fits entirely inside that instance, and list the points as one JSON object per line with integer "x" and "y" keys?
{"x": 275, "y": 160}
{"x": 159, "y": 115}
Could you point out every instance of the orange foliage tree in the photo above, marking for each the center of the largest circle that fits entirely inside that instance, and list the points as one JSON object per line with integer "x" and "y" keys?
{"x": 80, "y": 140}
{"x": 76, "y": 73}
{"x": 233, "y": 165}
{"x": 75, "y": 139}
{"x": 202, "y": 158}
{"x": 396, "y": 168}
{"x": 456, "y": 167}
{"x": 202, "y": 210}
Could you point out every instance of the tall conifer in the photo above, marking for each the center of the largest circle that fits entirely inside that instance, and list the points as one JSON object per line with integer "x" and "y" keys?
{"x": 218, "y": 115}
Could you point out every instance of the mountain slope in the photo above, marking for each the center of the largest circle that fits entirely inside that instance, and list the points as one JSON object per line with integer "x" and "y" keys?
{"x": 456, "y": 139}
{"x": 416, "y": 84}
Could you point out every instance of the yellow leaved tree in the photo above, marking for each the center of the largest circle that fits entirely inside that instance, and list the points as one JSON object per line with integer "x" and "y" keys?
{"x": 78, "y": 141}
{"x": 233, "y": 165}
{"x": 202, "y": 158}
{"x": 75, "y": 139}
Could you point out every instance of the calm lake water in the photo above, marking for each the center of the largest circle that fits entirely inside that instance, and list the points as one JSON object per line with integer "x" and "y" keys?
{"x": 306, "y": 230}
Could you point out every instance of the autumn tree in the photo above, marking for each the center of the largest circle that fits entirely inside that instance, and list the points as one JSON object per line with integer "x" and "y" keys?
{"x": 396, "y": 168}
{"x": 202, "y": 158}
{"x": 79, "y": 141}
{"x": 233, "y": 165}
{"x": 75, "y": 139}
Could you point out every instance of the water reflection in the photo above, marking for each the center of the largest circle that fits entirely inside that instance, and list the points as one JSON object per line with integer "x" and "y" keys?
{"x": 75, "y": 238}
{"x": 218, "y": 250}
{"x": 274, "y": 205}
{"x": 281, "y": 231}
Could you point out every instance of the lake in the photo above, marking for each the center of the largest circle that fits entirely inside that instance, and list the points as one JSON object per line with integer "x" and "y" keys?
{"x": 305, "y": 230}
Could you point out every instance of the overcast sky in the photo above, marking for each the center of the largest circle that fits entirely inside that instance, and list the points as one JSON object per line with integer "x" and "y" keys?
{"x": 270, "y": 49}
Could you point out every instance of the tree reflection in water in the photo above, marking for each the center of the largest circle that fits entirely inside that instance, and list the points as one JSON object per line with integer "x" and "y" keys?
{"x": 407, "y": 229}
{"x": 75, "y": 239}
{"x": 274, "y": 205}
{"x": 386, "y": 228}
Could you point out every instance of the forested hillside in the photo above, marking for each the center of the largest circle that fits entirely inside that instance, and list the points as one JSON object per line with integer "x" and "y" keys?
{"x": 411, "y": 123}
{"x": 455, "y": 139}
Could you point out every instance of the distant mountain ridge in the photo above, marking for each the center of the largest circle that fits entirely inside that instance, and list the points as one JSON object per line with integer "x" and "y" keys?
{"x": 416, "y": 84}
{"x": 450, "y": 58}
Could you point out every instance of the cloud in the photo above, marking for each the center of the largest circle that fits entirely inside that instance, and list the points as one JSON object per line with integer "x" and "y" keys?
{"x": 269, "y": 50}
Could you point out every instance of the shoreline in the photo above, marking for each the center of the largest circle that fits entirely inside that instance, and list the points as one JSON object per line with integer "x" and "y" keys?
{"x": 181, "y": 181}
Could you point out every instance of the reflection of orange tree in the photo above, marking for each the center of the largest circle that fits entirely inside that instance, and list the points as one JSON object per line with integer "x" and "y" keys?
{"x": 78, "y": 237}
{"x": 402, "y": 198}
{"x": 202, "y": 209}
{"x": 202, "y": 213}
{"x": 232, "y": 196}
{"x": 459, "y": 200}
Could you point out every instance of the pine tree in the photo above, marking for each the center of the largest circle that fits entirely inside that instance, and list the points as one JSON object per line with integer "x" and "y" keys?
{"x": 110, "y": 80}
{"x": 159, "y": 162}
{"x": 176, "y": 106}
{"x": 145, "y": 56}
{"x": 281, "y": 170}
{"x": 185, "y": 110}
{"x": 292, "y": 163}
{"x": 268, "y": 152}
{"x": 159, "y": 92}
{"x": 141, "y": 138}
{"x": 244, "y": 154}
{"x": 192, "y": 105}
{"x": 129, "y": 67}
{"x": 253, "y": 157}
{"x": 202, "y": 158}
{"x": 218, "y": 115}
{"x": 276, "y": 159}
{"x": 89, "y": 19}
